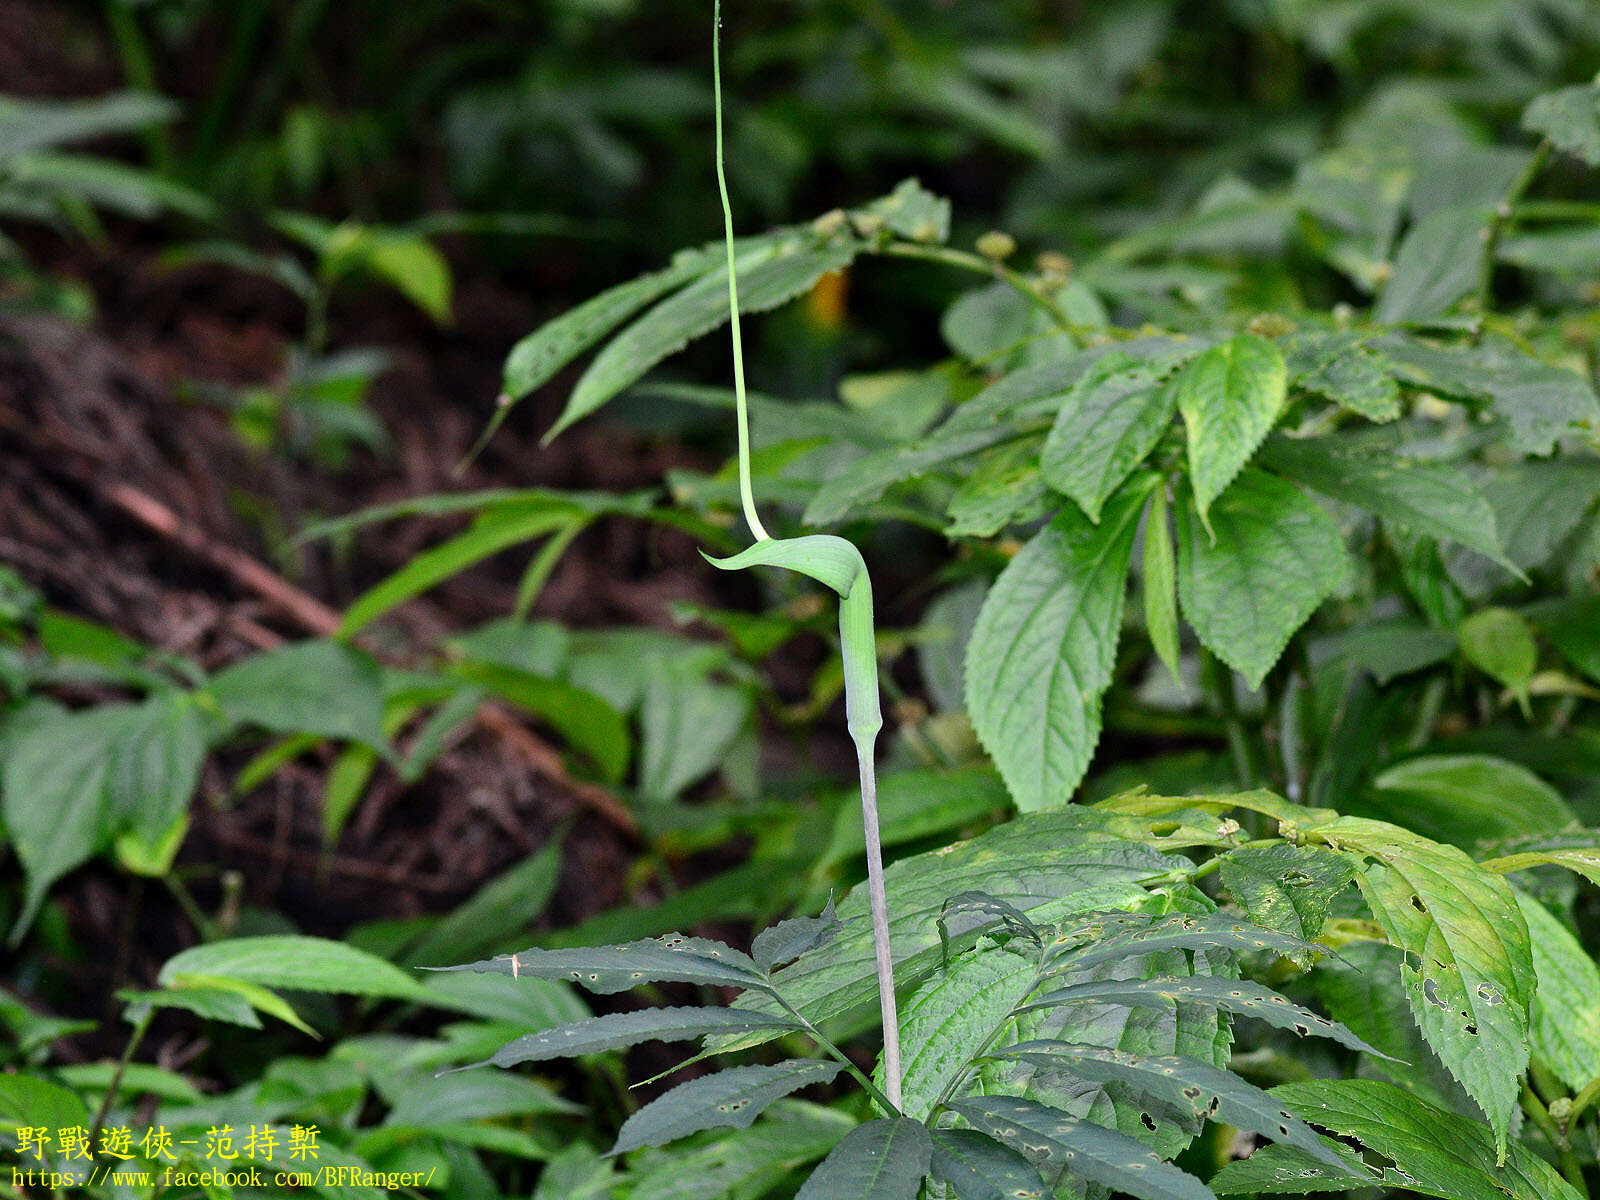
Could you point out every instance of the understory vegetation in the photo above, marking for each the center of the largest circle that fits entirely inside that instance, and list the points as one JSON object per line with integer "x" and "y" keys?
{"x": 1144, "y": 737}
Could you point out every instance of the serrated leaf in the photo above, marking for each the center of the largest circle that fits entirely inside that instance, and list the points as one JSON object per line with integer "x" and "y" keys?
{"x": 616, "y": 1031}
{"x": 1434, "y": 1152}
{"x": 1090, "y": 1151}
{"x": 1427, "y": 497}
{"x": 1042, "y": 650}
{"x": 734, "y": 1097}
{"x": 790, "y": 1135}
{"x": 975, "y": 1166}
{"x": 880, "y": 1160}
{"x": 1435, "y": 267}
{"x": 1109, "y": 421}
{"x": 605, "y": 970}
{"x": 769, "y": 274}
{"x": 1003, "y": 489}
{"x": 1182, "y": 1083}
{"x": 1076, "y": 864}
{"x": 1287, "y": 888}
{"x": 305, "y": 964}
{"x": 1238, "y": 996}
{"x": 1469, "y": 798}
{"x": 1468, "y": 967}
{"x": 1276, "y": 556}
{"x": 950, "y": 1018}
{"x": 788, "y": 940}
{"x": 1107, "y": 936}
{"x": 1342, "y": 368}
{"x": 1565, "y": 1025}
{"x": 1230, "y": 397}
{"x": 1570, "y": 118}
{"x": 1160, "y": 583}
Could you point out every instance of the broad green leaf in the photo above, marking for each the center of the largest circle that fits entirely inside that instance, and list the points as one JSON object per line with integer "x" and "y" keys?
{"x": 1433, "y": 1152}
{"x": 880, "y": 1160}
{"x": 604, "y": 970}
{"x": 209, "y": 1003}
{"x": 1160, "y": 584}
{"x": 1287, "y": 888}
{"x": 304, "y": 964}
{"x": 1004, "y": 489}
{"x": 975, "y": 1166}
{"x": 687, "y": 722}
{"x": 616, "y": 1031}
{"x": 769, "y": 274}
{"x": 1342, "y": 368}
{"x": 1500, "y": 643}
{"x": 259, "y": 999}
{"x": 987, "y": 321}
{"x": 1426, "y": 497}
{"x": 1089, "y": 1151}
{"x": 866, "y": 479}
{"x": 1538, "y": 505}
{"x": 321, "y": 688}
{"x": 1109, "y": 421}
{"x": 1042, "y": 650}
{"x": 1230, "y": 398}
{"x": 31, "y": 1102}
{"x": 1238, "y": 996}
{"x": 576, "y": 1172}
{"x": 1468, "y": 968}
{"x": 1469, "y": 798}
{"x": 588, "y": 723}
{"x": 734, "y": 1097}
{"x": 1565, "y": 1027}
{"x": 950, "y": 1019}
{"x": 1181, "y": 1083}
{"x": 1276, "y": 556}
{"x": 1585, "y": 862}
{"x": 915, "y": 804}
{"x": 425, "y": 1101}
{"x": 1570, "y": 118}
{"x": 496, "y": 528}
{"x": 1074, "y": 866}
{"x": 1436, "y": 266}
{"x": 788, "y": 940}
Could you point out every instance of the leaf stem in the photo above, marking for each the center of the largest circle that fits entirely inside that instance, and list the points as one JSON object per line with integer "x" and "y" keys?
{"x": 952, "y": 257}
{"x": 747, "y": 496}
{"x": 115, "y": 1084}
{"x": 1504, "y": 213}
{"x": 1571, "y": 1168}
{"x": 822, "y": 1039}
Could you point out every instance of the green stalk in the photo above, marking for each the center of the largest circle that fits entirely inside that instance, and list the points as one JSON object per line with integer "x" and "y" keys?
{"x": 837, "y": 563}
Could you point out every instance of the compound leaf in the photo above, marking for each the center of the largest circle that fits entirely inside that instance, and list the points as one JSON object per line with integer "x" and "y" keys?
{"x": 1110, "y": 420}
{"x": 734, "y": 1097}
{"x": 880, "y": 1160}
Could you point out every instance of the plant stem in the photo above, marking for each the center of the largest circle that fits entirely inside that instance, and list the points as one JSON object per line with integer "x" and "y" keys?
{"x": 137, "y": 1036}
{"x": 1571, "y": 1168}
{"x": 1504, "y": 212}
{"x": 822, "y": 1039}
{"x": 879, "y": 901}
{"x": 975, "y": 262}
{"x": 746, "y": 491}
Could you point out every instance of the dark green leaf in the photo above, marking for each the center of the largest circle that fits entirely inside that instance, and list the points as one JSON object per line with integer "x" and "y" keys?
{"x": 1287, "y": 888}
{"x": 1230, "y": 398}
{"x": 1108, "y": 936}
{"x": 1565, "y": 1028}
{"x": 673, "y": 958}
{"x": 734, "y": 1097}
{"x": 321, "y": 688}
{"x": 1436, "y": 266}
{"x": 616, "y": 1031}
{"x": 1469, "y": 798}
{"x": 1160, "y": 582}
{"x": 1341, "y": 367}
{"x": 788, "y": 940}
{"x": 976, "y": 1167}
{"x": 1500, "y": 643}
{"x": 880, "y": 1160}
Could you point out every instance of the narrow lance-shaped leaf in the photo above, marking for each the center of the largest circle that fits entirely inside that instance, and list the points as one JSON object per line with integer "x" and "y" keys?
{"x": 1231, "y": 995}
{"x": 1565, "y": 1029}
{"x": 1468, "y": 966}
{"x": 1161, "y": 583}
{"x": 1061, "y": 1142}
{"x": 788, "y": 940}
{"x": 673, "y": 958}
{"x": 1042, "y": 650}
{"x": 1436, "y": 266}
{"x": 734, "y": 1097}
{"x": 976, "y": 1167}
{"x": 880, "y": 1160}
{"x": 616, "y": 1031}
{"x": 1183, "y": 1083}
{"x": 1108, "y": 936}
{"x": 1275, "y": 557}
{"x": 1229, "y": 397}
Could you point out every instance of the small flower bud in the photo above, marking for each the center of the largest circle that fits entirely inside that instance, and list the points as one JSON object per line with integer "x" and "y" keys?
{"x": 997, "y": 245}
{"x": 829, "y": 223}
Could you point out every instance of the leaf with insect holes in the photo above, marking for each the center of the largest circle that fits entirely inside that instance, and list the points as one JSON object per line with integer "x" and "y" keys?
{"x": 974, "y": 1166}
{"x": 1060, "y": 1142}
{"x": 880, "y": 1160}
{"x": 1287, "y": 888}
{"x": 1433, "y": 1152}
{"x": 673, "y": 958}
{"x": 1565, "y": 1028}
{"x": 1237, "y": 996}
{"x": 616, "y": 1031}
{"x": 1110, "y": 420}
{"x": 1043, "y": 647}
{"x": 734, "y": 1097}
{"x": 1103, "y": 937}
{"x": 788, "y": 940}
{"x": 1275, "y": 558}
{"x": 1230, "y": 398}
{"x": 1468, "y": 965}
{"x": 770, "y": 273}
{"x": 1181, "y": 1083}
{"x": 1432, "y": 498}
{"x": 950, "y": 1018}
{"x": 1570, "y": 118}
